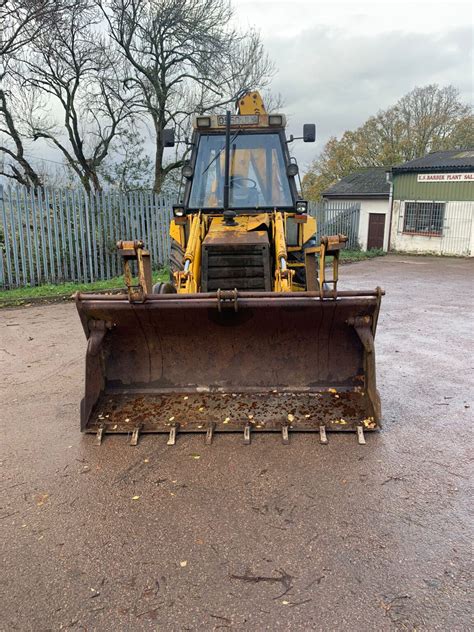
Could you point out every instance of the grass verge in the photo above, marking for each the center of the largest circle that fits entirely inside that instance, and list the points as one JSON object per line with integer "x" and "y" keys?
{"x": 63, "y": 291}
{"x": 349, "y": 256}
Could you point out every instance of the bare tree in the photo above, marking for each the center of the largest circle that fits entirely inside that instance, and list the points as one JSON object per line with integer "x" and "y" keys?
{"x": 74, "y": 67}
{"x": 13, "y": 136}
{"x": 20, "y": 23}
{"x": 184, "y": 57}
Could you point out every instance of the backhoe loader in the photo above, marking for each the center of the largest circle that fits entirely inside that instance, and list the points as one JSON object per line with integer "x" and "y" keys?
{"x": 251, "y": 334}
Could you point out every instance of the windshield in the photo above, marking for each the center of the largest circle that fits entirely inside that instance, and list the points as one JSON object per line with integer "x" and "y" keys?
{"x": 257, "y": 172}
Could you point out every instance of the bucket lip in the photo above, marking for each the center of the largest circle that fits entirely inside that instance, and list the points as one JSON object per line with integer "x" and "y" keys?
{"x": 242, "y": 297}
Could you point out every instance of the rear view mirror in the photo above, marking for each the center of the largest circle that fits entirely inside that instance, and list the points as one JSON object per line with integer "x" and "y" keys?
{"x": 309, "y": 132}
{"x": 168, "y": 137}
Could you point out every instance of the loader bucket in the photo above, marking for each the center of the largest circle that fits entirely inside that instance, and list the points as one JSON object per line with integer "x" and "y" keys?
{"x": 248, "y": 362}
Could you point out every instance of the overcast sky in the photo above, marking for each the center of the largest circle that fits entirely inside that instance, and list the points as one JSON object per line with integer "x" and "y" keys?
{"x": 340, "y": 62}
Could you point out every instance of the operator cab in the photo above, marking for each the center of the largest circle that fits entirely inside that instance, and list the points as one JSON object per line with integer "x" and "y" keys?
{"x": 257, "y": 172}
{"x": 241, "y": 162}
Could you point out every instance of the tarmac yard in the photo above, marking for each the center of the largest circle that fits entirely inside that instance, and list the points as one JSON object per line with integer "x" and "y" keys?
{"x": 246, "y": 537}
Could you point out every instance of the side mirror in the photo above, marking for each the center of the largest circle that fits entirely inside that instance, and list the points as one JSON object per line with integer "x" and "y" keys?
{"x": 168, "y": 137}
{"x": 309, "y": 133}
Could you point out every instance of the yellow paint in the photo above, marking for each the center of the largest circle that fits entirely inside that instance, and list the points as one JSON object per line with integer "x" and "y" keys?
{"x": 251, "y": 103}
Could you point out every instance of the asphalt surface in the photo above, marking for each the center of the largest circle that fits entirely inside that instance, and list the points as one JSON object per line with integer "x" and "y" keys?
{"x": 259, "y": 537}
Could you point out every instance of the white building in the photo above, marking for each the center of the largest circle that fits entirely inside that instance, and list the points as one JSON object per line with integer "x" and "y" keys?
{"x": 369, "y": 188}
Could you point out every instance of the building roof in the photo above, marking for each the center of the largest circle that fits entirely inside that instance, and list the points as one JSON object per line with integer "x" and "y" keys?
{"x": 370, "y": 182}
{"x": 452, "y": 160}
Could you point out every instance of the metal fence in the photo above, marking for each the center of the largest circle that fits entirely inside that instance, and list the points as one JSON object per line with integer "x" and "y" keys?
{"x": 52, "y": 236}
{"x": 337, "y": 217}
{"x": 56, "y": 235}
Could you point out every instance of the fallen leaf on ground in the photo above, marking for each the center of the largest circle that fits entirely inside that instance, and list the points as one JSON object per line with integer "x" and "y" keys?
{"x": 135, "y": 497}
{"x": 41, "y": 499}
{"x": 183, "y": 563}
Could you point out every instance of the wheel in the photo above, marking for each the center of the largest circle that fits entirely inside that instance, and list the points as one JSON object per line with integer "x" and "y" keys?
{"x": 163, "y": 288}
{"x": 176, "y": 258}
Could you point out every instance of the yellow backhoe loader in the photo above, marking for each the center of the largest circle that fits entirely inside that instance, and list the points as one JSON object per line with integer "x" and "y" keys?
{"x": 251, "y": 334}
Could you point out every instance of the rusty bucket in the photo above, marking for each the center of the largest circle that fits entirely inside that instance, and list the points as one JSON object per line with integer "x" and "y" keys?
{"x": 246, "y": 362}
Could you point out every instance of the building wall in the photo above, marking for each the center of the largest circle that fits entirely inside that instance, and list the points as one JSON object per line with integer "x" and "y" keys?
{"x": 458, "y": 225}
{"x": 406, "y": 187}
{"x": 458, "y": 231}
{"x": 368, "y": 206}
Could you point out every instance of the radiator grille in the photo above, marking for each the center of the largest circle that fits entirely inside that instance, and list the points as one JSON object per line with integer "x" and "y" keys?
{"x": 227, "y": 266}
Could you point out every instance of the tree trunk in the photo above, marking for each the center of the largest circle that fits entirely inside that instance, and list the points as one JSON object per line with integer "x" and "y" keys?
{"x": 159, "y": 174}
{"x": 94, "y": 178}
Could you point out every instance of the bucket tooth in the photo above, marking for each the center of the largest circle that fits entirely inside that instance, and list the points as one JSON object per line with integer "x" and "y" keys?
{"x": 100, "y": 434}
{"x": 210, "y": 432}
{"x": 172, "y": 436}
{"x": 135, "y": 435}
{"x": 247, "y": 434}
{"x": 284, "y": 434}
{"x": 360, "y": 435}
{"x": 322, "y": 435}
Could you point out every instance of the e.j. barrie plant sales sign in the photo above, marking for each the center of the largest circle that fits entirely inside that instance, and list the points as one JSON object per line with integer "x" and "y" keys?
{"x": 446, "y": 177}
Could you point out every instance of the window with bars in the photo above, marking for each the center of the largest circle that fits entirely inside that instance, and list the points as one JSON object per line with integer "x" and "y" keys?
{"x": 424, "y": 218}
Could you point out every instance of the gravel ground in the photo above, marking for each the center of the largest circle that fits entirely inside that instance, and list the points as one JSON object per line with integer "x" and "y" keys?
{"x": 259, "y": 537}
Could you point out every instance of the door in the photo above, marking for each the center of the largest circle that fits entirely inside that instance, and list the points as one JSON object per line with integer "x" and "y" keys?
{"x": 376, "y": 230}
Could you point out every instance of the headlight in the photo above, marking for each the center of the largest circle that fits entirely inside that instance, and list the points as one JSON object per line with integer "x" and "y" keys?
{"x": 178, "y": 211}
{"x": 302, "y": 206}
{"x": 187, "y": 171}
{"x": 292, "y": 169}
{"x": 203, "y": 121}
{"x": 275, "y": 119}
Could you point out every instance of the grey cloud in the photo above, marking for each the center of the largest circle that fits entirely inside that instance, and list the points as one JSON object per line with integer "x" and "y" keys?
{"x": 338, "y": 80}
